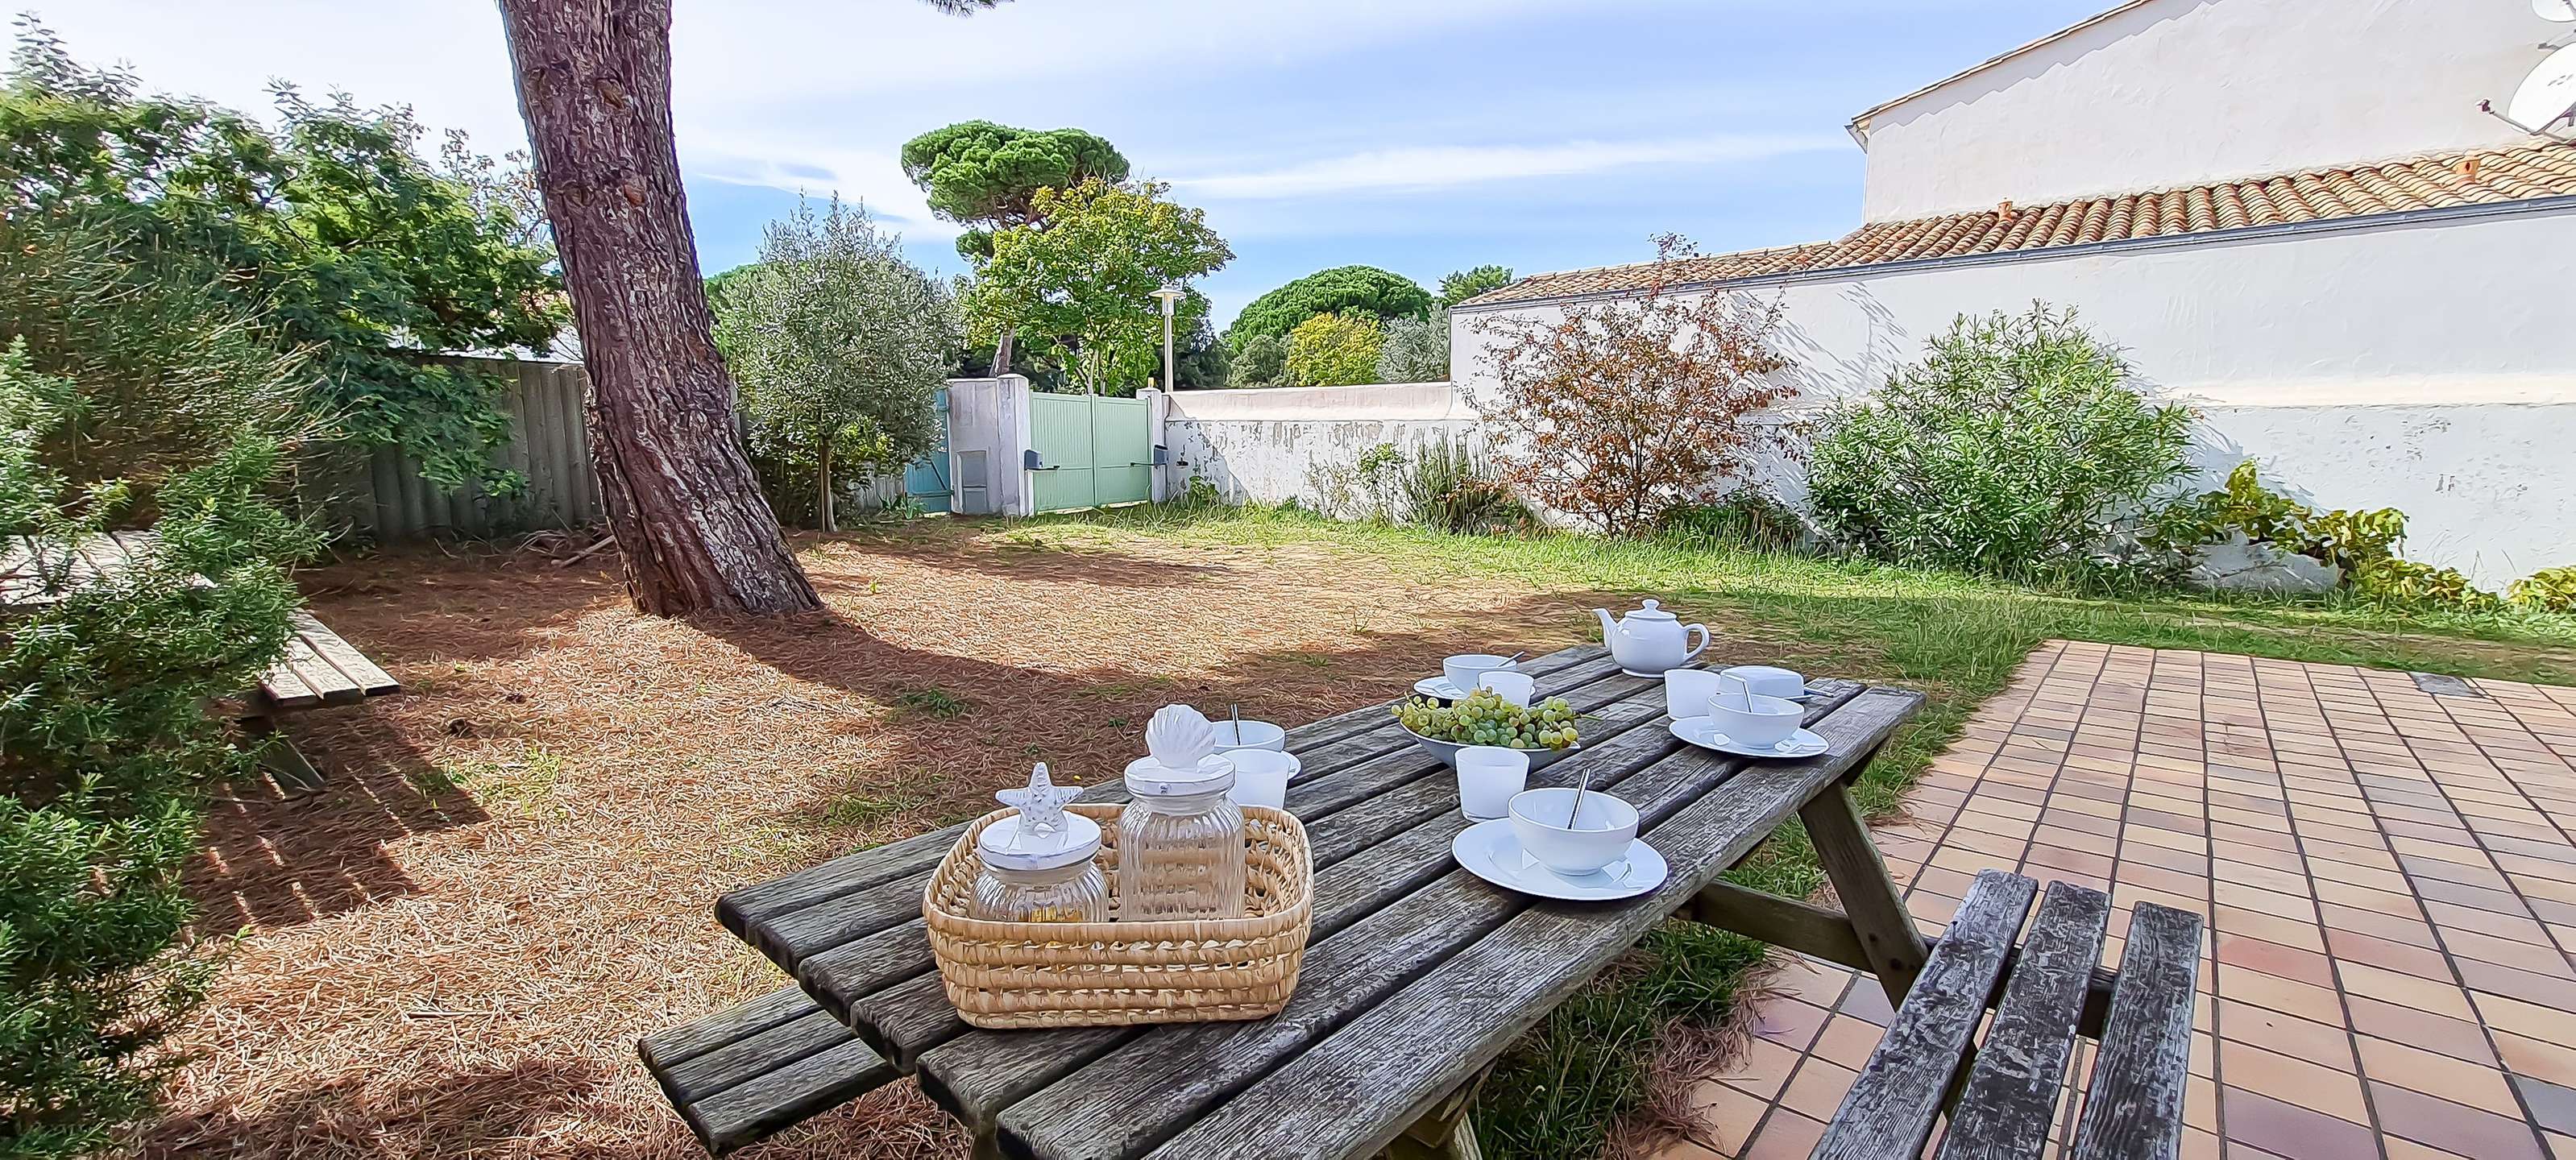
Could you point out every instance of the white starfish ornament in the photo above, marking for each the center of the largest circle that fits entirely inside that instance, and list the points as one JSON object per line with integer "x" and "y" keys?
{"x": 1042, "y": 804}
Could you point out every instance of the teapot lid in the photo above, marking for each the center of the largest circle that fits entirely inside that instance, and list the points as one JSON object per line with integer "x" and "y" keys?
{"x": 1652, "y": 611}
{"x": 1041, "y": 836}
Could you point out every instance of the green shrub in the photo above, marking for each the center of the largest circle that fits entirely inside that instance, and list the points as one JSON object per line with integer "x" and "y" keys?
{"x": 2363, "y": 544}
{"x": 105, "y": 746}
{"x": 2547, "y": 590}
{"x": 2014, "y": 448}
{"x": 1449, "y": 486}
{"x": 1263, "y": 362}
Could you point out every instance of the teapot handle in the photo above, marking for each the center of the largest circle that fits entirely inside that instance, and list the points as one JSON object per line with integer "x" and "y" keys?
{"x": 1702, "y": 630}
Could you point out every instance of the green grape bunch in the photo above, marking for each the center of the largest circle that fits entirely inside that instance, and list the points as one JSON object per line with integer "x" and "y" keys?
{"x": 1485, "y": 718}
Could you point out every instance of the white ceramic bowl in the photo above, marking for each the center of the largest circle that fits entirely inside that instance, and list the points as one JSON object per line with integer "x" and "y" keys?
{"x": 1539, "y": 820}
{"x": 1769, "y": 680}
{"x": 1256, "y": 735}
{"x": 1463, "y": 669}
{"x": 1764, "y": 721}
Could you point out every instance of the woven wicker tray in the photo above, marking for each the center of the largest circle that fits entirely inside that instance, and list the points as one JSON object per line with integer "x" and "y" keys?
{"x": 1117, "y": 974}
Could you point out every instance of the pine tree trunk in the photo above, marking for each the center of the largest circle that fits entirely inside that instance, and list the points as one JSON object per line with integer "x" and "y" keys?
{"x": 594, "y": 82}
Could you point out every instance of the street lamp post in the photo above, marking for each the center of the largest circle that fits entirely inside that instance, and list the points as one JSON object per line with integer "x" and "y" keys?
{"x": 1170, "y": 295}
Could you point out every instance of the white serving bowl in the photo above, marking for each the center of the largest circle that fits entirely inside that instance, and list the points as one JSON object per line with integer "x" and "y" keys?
{"x": 1750, "y": 719}
{"x": 1539, "y": 819}
{"x": 1256, "y": 735}
{"x": 1463, "y": 669}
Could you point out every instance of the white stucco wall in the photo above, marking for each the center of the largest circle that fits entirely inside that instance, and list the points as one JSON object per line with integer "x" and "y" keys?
{"x": 1269, "y": 446}
{"x": 2172, "y": 92}
{"x": 2418, "y": 364}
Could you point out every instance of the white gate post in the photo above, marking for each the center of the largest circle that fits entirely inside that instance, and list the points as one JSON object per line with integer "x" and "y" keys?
{"x": 1158, "y": 403}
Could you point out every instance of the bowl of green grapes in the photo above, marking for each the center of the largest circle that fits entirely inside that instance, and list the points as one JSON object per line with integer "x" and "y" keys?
{"x": 1548, "y": 729}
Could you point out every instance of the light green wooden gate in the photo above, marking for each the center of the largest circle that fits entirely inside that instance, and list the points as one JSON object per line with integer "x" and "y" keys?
{"x": 1092, "y": 451}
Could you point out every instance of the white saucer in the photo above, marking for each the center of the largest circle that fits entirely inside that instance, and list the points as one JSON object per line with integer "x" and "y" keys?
{"x": 1489, "y": 850}
{"x": 1439, "y": 687}
{"x": 1702, "y": 732}
{"x": 1657, "y": 676}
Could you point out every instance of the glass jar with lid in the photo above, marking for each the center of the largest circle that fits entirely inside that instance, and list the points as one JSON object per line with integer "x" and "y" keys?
{"x": 1040, "y": 865}
{"x": 1180, "y": 838}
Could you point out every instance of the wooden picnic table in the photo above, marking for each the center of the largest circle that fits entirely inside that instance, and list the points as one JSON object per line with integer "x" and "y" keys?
{"x": 319, "y": 668}
{"x": 1418, "y": 974}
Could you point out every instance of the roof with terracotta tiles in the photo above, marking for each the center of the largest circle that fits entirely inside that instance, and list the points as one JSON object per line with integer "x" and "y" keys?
{"x": 2477, "y": 177}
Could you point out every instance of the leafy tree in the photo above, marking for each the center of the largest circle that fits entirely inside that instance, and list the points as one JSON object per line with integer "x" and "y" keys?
{"x": 1086, "y": 280}
{"x": 2014, "y": 447}
{"x": 1333, "y": 350}
{"x": 988, "y": 176}
{"x": 354, "y": 246}
{"x": 1334, "y": 291}
{"x": 105, "y": 742}
{"x": 1202, "y": 363}
{"x": 1263, "y": 362}
{"x": 837, "y": 343}
{"x": 1621, "y": 412}
{"x": 1417, "y": 349}
{"x": 1466, "y": 284}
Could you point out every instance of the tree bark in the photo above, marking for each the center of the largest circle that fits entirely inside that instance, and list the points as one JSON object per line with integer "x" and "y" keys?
{"x": 594, "y": 80}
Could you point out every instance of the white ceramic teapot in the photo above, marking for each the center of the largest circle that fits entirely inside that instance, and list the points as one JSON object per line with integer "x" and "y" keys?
{"x": 1649, "y": 640}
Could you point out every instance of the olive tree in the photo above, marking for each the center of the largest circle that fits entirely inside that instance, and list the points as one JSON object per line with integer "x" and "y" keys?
{"x": 837, "y": 343}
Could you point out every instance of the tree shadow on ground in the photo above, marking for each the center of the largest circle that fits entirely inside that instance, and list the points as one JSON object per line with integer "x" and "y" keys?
{"x": 273, "y": 862}
{"x": 451, "y": 1114}
{"x": 1018, "y": 553}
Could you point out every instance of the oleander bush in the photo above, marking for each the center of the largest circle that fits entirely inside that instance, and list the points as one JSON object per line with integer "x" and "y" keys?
{"x": 2016, "y": 447}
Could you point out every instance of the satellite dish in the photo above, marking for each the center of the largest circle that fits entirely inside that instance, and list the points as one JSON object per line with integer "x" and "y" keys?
{"x": 2562, "y": 11}
{"x": 2548, "y": 93}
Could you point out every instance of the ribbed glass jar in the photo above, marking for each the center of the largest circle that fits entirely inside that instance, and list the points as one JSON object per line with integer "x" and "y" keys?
{"x": 1076, "y": 893}
{"x": 1181, "y": 856}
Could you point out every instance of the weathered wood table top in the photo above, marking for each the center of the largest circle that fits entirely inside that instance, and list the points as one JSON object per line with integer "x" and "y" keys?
{"x": 1417, "y": 974}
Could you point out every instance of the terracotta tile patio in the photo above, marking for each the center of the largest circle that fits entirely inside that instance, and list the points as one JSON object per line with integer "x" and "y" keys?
{"x": 2387, "y": 873}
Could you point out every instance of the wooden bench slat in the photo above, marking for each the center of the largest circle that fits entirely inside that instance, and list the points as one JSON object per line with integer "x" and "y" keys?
{"x": 334, "y": 687}
{"x": 668, "y": 1048}
{"x": 282, "y": 688}
{"x": 745, "y": 1072}
{"x": 1355, "y": 1089}
{"x": 740, "y": 909}
{"x": 2010, "y": 1100}
{"x": 907, "y": 1019}
{"x": 2133, "y": 1108}
{"x": 1889, "y": 1111}
{"x": 754, "y": 1055}
{"x": 371, "y": 680}
{"x": 762, "y": 1106}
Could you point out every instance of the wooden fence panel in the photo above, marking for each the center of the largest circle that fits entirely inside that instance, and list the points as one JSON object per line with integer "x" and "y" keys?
{"x": 382, "y": 495}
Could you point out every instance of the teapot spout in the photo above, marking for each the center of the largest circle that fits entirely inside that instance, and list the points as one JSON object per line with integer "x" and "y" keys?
{"x": 1609, "y": 627}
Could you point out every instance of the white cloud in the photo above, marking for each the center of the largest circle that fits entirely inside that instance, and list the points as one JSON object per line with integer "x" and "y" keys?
{"x": 1435, "y": 167}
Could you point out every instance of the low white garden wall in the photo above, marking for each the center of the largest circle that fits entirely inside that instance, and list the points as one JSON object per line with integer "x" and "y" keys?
{"x": 1283, "y": 443}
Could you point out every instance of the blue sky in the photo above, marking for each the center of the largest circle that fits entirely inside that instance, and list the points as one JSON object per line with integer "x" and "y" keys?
{"x": 1422, "y": 136}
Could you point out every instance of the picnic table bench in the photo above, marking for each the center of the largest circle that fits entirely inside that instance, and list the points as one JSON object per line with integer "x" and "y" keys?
{"x": 319, "y": 668}
{"x": 1417, "y": 974}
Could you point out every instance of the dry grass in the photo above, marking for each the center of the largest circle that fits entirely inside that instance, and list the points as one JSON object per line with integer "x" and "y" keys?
{"x": 453, "y": 950}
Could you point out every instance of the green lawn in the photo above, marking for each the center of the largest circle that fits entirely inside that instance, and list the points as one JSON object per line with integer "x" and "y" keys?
{"x": 1958, "y": 639}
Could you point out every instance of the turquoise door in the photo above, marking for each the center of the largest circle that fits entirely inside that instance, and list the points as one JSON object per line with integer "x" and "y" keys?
{"x": 926, "y": 480}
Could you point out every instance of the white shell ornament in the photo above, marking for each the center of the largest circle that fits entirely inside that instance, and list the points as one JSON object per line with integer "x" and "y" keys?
{"x": 1179, "y": 737}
